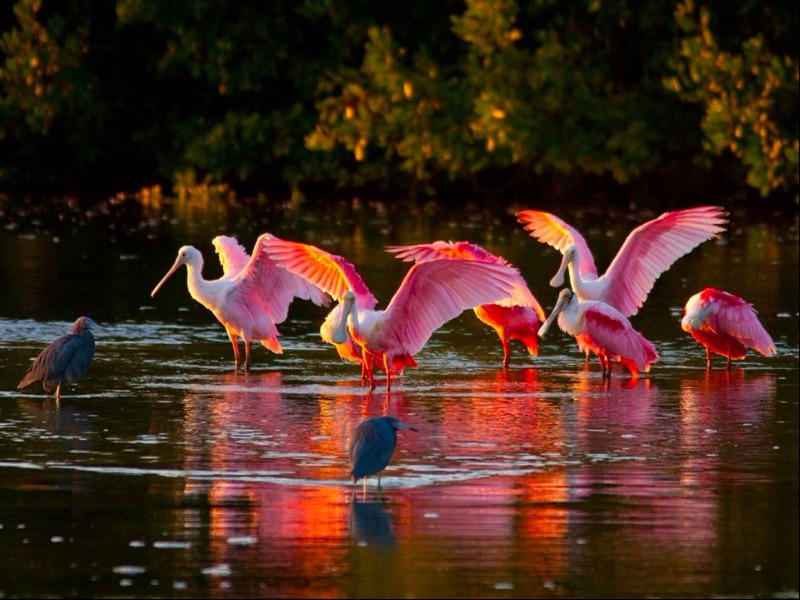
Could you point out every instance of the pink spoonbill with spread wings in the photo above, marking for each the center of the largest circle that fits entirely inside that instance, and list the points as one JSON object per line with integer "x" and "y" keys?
{"x": 647, "y": 252}
{"x": 335, "y": 275}
{"x": 725, "y": 324}
{"x": 251, "y": 296}
{"x": 516, "y": 317}
{"x": 601, "y": 329}
{"x": 432, "y": 293}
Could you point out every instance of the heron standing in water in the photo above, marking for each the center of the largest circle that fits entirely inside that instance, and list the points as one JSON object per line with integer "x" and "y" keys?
{"x": 372, "y": 447}
{"x": 64, "y": 360}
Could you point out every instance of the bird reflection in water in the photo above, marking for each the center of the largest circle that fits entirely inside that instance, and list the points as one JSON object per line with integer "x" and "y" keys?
{"x": 610, "y": 415}
{"x": 254, "y": 455}
{"x": 371, "y": 523}
{"x": 732, "y": 405}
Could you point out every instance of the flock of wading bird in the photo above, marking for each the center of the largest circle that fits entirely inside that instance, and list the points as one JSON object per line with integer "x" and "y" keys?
{"x": 255, "y": 291}
{"x": 446, "y": 278}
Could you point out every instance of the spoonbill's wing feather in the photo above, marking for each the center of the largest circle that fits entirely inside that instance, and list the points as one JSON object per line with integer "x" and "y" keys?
{"x": 440, "y": 249}
{"x": 328, "y": 272}
{"x": 232, "y": 255}
{"x": 610, "y": 330}
{"x": 436, "y": 291}
{"x": 521, "y": 296}
{"x": 271, "y": 287}
{"x": 549, "y": 229}
{"x": 737, "y": 317}
{"x": 651, "y": 248}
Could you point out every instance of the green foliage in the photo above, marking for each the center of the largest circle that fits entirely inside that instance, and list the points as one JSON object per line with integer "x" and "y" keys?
{"x": 749, "y": 98}
{"x": 41, "y": 74}
{"x": 104, "y": 97}
{"x": 553, "y": 98}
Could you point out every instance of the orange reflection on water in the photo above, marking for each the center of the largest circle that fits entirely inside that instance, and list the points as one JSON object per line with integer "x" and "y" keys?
{"x": 501, "y": 411}
{"x": 259, "y": 447}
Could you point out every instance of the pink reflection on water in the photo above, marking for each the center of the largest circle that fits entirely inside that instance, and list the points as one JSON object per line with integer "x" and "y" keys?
{"x": 655, "y": 467}
{"x": 721, "y": 412}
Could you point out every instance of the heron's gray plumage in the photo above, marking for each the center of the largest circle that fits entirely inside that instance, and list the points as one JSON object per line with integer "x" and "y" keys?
{"x": 372, "y": 446}
{"x": 64, "y": 360}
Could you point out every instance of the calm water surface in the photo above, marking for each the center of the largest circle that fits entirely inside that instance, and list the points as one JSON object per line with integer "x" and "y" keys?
{"x": 163, "y": 473}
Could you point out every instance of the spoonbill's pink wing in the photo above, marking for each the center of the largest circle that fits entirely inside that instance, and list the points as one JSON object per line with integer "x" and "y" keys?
{"x": 651, "y": 248}
{"x": 272, "y": 287}
{"x": 522, "y": 295}
{"x": 549, "y": 229}
{"x": 610, "y": 330}
{"x": 232, "y": 255}
{"x": 440, "y": 249}
{"x": 737, "y": 317}
{"x": 328, "y": 272}
{"x": 436, "y": 291}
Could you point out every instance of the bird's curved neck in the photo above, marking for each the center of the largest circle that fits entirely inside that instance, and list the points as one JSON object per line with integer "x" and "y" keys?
{"x": 354, "y": 324}
{"x": 585, "y": 289}
{"x": 198, "y": 287}
{"x": 574, "y": 270}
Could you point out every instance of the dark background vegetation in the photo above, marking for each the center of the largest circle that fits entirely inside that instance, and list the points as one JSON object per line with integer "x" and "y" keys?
{"x": 438, "y": 100}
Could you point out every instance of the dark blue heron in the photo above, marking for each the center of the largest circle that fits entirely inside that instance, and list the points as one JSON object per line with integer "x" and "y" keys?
{"x": 65, "y": 360}
{"x": 372, "y": 447}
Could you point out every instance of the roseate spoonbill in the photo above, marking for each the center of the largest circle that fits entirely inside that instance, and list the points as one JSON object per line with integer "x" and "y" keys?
{"x": 432, "y": 293}
{"x": 517, "y": 317}
{"x": 64, "y": 360}
{"x": 647, "y": 252}
{"x": 725, "y": 324}
{"x": 372, "y": 446}
{"x": 334, "y": 275}
{"x": 250, "y": 298}
{"x": 603, "y": 330}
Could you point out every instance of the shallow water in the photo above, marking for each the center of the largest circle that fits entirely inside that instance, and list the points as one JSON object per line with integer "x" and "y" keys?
{"x": 162, "y": 473}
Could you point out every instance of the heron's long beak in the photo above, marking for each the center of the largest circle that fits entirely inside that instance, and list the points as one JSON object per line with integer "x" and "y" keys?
{"x": 558, "y": 278}
{"x": 172, "y": 269}
{"x": 401, "y": 425}
{"x": 563, "y": 299}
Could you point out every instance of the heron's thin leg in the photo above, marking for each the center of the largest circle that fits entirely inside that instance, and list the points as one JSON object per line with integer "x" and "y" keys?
{"x": 246, "y": 354}
{"x": 708, "y": 358}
